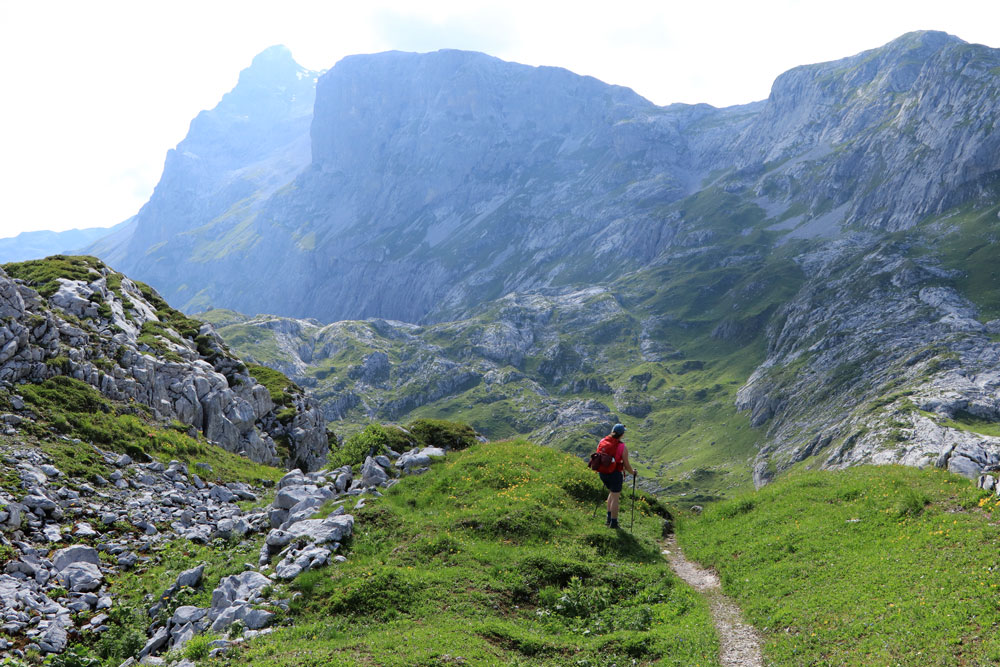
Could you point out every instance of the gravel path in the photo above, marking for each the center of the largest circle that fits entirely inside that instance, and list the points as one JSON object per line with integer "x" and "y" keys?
{"x": 739, "y": 643}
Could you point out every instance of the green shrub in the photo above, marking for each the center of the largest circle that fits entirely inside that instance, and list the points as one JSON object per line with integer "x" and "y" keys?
{"x": 76, "y": 656}
{"x": 441, "y": 433}
{"x": 125, "y": 636}
{"x": 7, "y": 553}
{"x": 372, "y": 440}
{"x": 198, "y": 648}
{"x": 579, "y": 600}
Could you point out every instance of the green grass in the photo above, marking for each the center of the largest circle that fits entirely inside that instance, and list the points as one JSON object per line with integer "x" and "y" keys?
{"x": 277, "y": 384}
{"x": 494, "y": 558}
{"x": 43, "y": 274}
{"x": 965, "y": 421}
{"x": 867, "y": 566}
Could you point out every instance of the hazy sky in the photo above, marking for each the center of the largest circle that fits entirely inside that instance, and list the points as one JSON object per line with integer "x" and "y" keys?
{"x": 96, "y": 91}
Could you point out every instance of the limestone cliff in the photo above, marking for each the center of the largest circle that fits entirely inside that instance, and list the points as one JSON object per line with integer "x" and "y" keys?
{"x": 75, "y": 316}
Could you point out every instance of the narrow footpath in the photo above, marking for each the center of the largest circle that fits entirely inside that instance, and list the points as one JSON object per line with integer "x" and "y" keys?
{"x": 739, "y": 643}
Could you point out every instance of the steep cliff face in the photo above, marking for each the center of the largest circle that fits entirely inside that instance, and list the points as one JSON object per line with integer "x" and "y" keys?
{"x": 74, "y": 316}
{"x": 439, "y": 181}
{"x": 881, "y": 139}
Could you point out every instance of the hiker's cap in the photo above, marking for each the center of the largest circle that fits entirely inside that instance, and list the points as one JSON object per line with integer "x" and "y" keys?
{"x": 619, "y": 429}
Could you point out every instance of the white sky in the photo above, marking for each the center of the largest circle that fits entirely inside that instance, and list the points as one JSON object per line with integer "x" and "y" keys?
{"x": 94, "y": 92}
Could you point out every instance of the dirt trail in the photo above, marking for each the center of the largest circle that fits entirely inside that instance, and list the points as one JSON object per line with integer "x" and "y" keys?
{"x": 740, "y": 645}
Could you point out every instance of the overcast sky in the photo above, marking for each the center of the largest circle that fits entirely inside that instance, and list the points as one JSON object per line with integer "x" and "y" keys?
{"x": 96, "y": 91}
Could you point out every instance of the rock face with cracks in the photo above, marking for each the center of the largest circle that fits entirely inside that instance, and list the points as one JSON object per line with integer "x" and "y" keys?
{"x": 101, "y": 328}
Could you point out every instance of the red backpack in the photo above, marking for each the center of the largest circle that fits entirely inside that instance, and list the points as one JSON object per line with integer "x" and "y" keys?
{"x": 607, "y": 456}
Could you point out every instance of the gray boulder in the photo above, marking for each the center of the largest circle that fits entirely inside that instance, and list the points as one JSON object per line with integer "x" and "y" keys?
{"x": 155, "y": 643}
{"x": 187, "y": 614}
{"x": 80, "y": 577}
{"x": 221, "y": 494}
{"x": 55, "y": 638}
{"x": 372, "y": 473}
{"x": 190, "y": 578}
{"x": 236, "y": 588}
{"x": 78, "y": 553}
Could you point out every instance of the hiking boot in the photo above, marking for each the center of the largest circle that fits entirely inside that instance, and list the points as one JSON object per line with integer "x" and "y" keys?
{"x": 613, "y": 524}
{"x": 607, "y": 522}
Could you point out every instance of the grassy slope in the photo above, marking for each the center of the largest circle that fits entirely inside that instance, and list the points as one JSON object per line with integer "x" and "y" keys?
{"x": 968, "y": 244}
{"x": 867, "y": 566}
{"x": 474, "y": 563}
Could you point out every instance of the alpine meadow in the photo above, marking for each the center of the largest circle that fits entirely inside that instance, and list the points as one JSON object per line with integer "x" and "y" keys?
{"x": 328, "y": 397}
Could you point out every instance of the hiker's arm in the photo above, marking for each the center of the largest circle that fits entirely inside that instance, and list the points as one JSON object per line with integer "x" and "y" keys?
{"x": 626, "y": 463}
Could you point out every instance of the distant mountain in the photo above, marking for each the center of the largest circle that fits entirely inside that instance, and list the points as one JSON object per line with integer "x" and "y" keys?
{"x": 821, "y": 261}
{"x": 36, "y": 245}
{"x": 233, "y": 158}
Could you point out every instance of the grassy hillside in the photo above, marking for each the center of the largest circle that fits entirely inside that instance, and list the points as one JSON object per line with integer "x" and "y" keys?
{"x": 868, "y": 566}
{"x": 493, "y": 558}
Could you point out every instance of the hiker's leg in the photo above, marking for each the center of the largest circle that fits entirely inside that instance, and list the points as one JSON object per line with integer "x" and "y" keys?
{"x": 613, "y": 504}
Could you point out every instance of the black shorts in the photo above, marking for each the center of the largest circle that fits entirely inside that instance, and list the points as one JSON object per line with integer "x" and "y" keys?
{"x": 613, "y": 480}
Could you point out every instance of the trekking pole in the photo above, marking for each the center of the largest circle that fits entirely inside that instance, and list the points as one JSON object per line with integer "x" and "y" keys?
{"x": 632, "y": 522}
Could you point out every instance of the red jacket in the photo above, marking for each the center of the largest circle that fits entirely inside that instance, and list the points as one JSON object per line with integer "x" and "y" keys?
{"x": 616, "y": 448}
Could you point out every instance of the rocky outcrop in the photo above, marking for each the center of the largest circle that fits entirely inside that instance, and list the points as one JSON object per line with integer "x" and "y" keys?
{"x": 868, "y": 363}
{"x": 105, "y": 331}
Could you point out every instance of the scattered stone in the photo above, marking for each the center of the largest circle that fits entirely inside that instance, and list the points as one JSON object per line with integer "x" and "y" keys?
{"x": 297, "y": 562}
{"x": 372, "y": 474}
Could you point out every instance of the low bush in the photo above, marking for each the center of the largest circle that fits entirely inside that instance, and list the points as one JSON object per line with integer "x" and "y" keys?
{"x": 443, "y": 434}
{"x": 372, "y": 440}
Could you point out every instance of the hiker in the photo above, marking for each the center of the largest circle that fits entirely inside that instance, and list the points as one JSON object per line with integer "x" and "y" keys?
{"x": 613, "y": 480}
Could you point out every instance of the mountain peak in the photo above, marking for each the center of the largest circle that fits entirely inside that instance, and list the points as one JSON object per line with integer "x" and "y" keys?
{"x": 934, "y": 39}
{"x": 276, "y": 53}
{"x": 273, "y": 66}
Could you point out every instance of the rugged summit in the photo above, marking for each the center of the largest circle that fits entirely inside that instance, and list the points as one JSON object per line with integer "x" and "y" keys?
{"x": 438, "y": 181}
